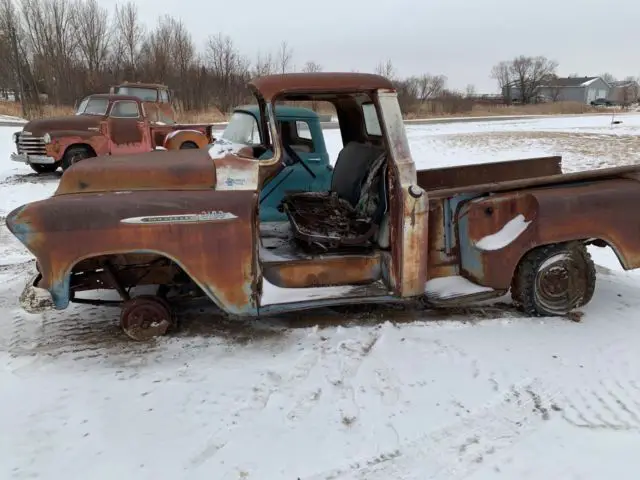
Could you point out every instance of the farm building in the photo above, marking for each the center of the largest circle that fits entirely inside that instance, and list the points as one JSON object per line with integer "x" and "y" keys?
{"x": 576, "y": 89}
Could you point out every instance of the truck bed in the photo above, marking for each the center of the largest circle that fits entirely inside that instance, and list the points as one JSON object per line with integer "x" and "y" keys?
{"x": 500, "y": 176}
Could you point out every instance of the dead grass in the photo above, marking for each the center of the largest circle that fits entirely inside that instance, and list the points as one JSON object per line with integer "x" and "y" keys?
{"x": 13, "y": 109}
{"x": 556, "y": 108}
{"x": 214, "y": 115}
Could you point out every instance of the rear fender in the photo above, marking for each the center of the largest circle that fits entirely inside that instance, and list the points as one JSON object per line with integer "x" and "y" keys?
{"x": 174, "y": 139}
{"x": 494, "y": 232}
{"x": 209, "y": 234}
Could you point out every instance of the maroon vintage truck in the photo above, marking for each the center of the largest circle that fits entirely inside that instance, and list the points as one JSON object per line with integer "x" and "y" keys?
{"x": 188, "y": 223}
{"x": 104, "y": 124}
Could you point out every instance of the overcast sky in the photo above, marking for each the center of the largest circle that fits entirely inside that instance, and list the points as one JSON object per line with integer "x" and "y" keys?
{"x": 460, "y": 39}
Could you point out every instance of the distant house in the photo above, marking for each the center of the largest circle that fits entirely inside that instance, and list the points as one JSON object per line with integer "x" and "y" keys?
{"x": 624, "y": 92}
{"x": 574, "y": 89}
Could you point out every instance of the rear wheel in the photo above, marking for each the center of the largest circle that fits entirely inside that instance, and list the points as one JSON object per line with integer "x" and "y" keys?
{"x": 554, "y": 279}
{"x": 74, "y": 155}
{"x": 188, "y": 145}
{"x": 44, "y": 168}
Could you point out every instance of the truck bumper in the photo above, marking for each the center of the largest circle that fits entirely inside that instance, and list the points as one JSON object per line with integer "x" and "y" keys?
{"x": 35, "y": 299}
{"x": 35, "y": 159}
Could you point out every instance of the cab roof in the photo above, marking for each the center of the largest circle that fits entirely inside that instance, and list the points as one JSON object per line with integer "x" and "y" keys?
{"x": 113, "y": 96}
{"x": 270, "y": 86}
{"x": 282, "y": 111}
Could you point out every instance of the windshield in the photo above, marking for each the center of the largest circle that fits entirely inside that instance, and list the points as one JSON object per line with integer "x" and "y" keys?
{"x": 144, "y": 94}
{"x": 93, "y": 106}
{"x": 242, "y": 128}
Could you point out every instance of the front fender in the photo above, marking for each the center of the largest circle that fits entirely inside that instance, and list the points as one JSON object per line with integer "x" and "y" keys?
{"x": 209, "y": 234}
{"x": 62, "y": 140}
{"x": 495, "y": 232}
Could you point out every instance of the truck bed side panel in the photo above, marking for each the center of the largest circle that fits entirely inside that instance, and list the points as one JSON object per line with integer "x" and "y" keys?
{"x": 466, "y": 175}
{"x": 490, "y": 249}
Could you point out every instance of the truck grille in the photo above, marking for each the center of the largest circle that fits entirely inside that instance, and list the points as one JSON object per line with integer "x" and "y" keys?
{"x": 31, "y": 145}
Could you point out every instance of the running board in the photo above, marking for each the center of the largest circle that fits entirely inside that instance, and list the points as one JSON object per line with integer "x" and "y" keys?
{"x": 455, "y": 290}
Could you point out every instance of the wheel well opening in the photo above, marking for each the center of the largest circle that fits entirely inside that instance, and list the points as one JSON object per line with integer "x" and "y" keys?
{"x": 603, "y": 244}
{"x": 126, "y": 271}
{"x": 81, "y": 145}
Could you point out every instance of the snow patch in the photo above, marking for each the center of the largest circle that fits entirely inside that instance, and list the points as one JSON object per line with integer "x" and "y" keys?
{"x": 453, "y": 286}
{"x": 272, "y": 294}
{"x": 503, "y": 237}
{"x": 222, "y": 147}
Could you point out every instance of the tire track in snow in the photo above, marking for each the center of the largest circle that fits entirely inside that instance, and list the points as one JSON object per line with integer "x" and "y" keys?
{"x": 459, "y": 448}
{"x": 254, "y": 405}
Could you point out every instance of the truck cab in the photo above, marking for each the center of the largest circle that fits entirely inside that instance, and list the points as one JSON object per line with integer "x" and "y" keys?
{"x": 302, "y": 131}
{"x": 156, "y": 98}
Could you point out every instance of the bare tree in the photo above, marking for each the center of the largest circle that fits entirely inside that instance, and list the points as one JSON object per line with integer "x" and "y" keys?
{"x": 229, "y": 69}
{"x": 386, "y": 69}
{"x": 285, "y": 54}
{"x": 52, "y": 42}
{"x": 264, "y": 65}
{"x": 554, "y": 87}
{"x": 94, "y": 36}
{"x": 11, "y": 37}
{"x": 312, "y": 67}
{"x": 470, "y": 91}
{"x": 530, "y": 73}
{"x": 428, "y": 86}
{"x": 607, "y": 77}
{"x": 129, "y": 36}
{"x": 501, "y": 73}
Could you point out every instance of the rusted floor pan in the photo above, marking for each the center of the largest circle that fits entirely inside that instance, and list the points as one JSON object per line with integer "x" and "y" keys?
{"x": 287, "y": 265}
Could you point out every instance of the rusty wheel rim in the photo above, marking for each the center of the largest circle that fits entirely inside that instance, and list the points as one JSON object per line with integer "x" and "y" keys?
{"x": 145, "y": 318}
{"x": 560, "y": 283}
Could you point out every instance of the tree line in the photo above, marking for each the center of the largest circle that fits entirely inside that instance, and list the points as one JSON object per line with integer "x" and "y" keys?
{"x": 57, "y": 51}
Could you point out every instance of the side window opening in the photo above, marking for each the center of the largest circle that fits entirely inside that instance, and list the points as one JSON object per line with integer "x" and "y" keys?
{"x": 371, "y": 121}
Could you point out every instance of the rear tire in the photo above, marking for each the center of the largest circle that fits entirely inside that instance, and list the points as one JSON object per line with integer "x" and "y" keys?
{"x": 75, "y": 155}
{"x": 41, "y": 168}
{"x": 554, "y": 279}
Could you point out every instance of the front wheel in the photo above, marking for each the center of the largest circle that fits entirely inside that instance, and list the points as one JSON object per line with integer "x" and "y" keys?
{"x": 74, "y": 155}
{"x": 554, "y": 279}
{"x": 44, "y": 168}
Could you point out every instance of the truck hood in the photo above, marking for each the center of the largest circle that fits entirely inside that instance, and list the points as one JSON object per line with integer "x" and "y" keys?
{"x": 188, "y": 169}
{"x": 71, "y": 122}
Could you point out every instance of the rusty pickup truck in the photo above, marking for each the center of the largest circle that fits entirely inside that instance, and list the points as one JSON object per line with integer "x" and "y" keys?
{"x": 104, "y": 124}
{"x": 186, "y": 223}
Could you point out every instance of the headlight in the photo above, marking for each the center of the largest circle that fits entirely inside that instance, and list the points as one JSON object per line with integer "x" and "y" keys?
{"x": 47, "y": 138}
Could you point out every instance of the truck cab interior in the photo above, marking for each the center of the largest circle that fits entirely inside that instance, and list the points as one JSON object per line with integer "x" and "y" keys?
{"x": 348, "y": 223}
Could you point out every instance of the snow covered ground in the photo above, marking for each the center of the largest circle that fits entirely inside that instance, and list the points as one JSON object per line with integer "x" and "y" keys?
{"x": 376, "y": 394}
